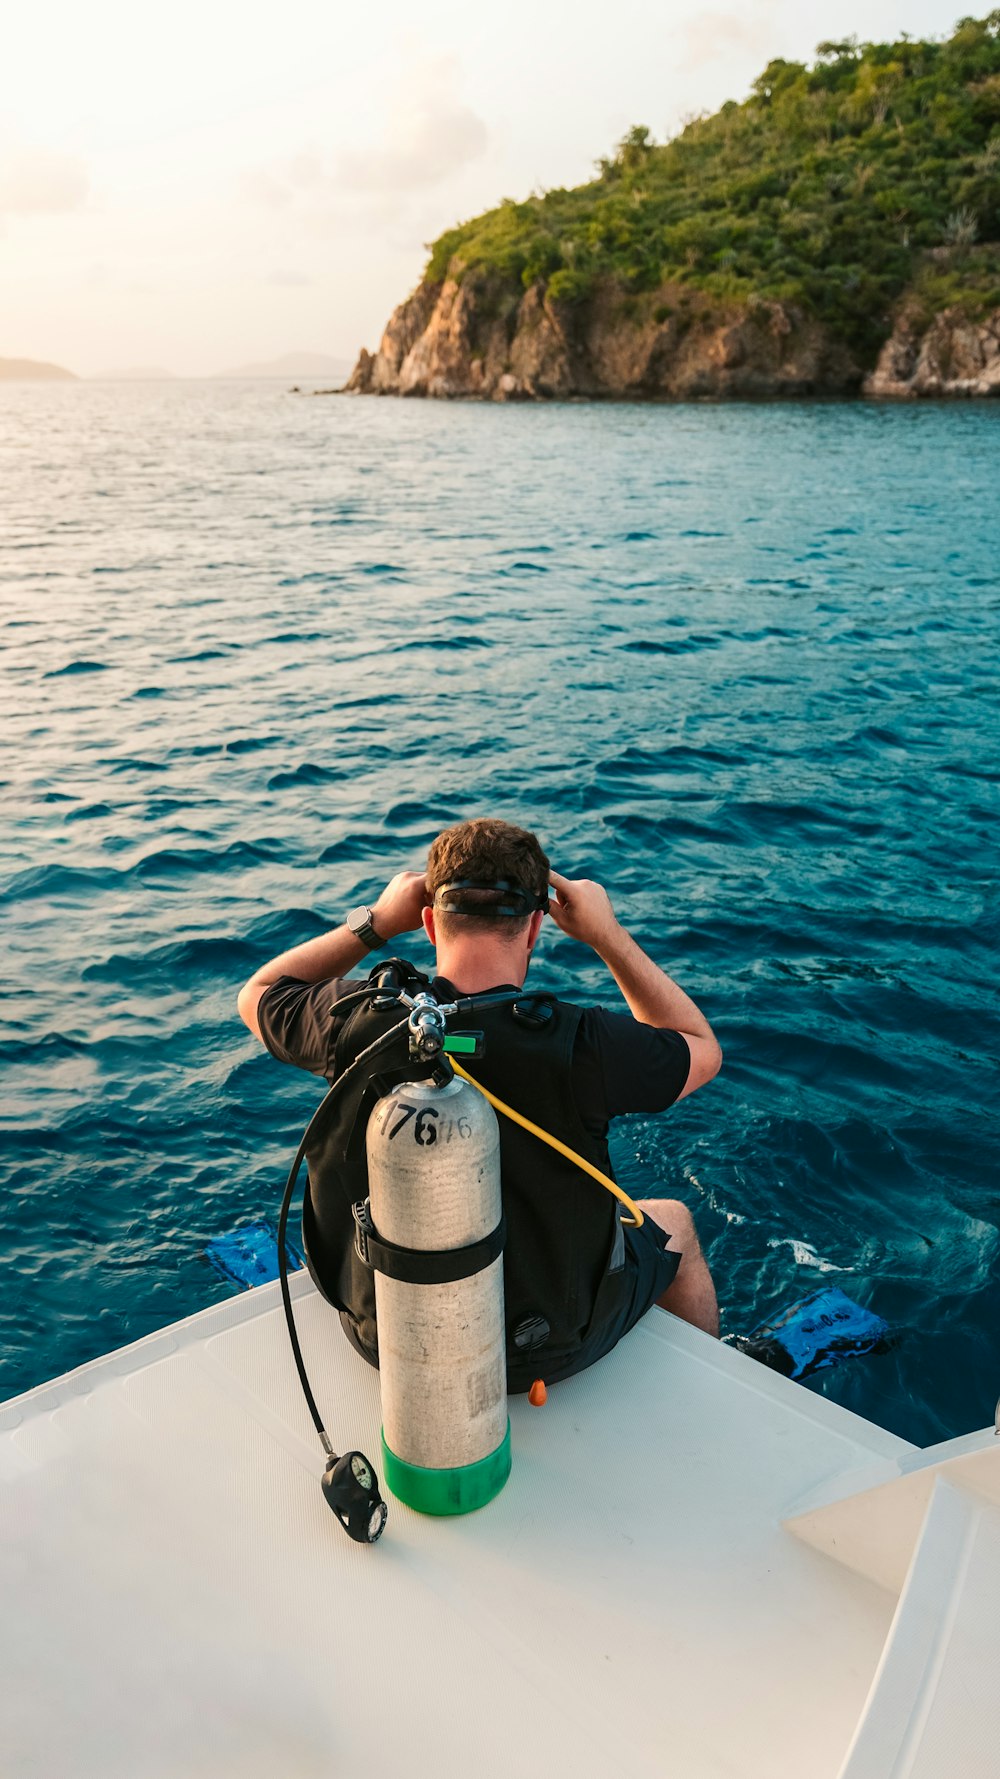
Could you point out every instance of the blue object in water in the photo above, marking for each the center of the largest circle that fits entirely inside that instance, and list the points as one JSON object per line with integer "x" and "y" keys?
{"x": 249, "y": 1255}
{"x": 818, "y": 1333}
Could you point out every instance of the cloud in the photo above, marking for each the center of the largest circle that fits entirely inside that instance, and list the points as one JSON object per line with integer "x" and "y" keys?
{"x": 429, "y": 135}
{"x": 714, "y": 36}
{"x": 39, "y": 181}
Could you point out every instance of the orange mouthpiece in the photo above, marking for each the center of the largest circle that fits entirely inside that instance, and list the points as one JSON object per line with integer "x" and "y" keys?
{"x": 538, "y": 1393}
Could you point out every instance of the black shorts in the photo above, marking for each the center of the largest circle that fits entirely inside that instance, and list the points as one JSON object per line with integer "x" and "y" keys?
{"x": 656, "y": 1264}
{"x": 650, "y": 1269}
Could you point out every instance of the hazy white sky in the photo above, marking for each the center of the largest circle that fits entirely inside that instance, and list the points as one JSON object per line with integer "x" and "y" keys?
{"x": 211, "y": 182}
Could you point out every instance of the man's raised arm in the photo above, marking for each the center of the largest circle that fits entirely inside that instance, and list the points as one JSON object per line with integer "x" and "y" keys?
{"x": 397, "y": 911}
{"x": 583, "y": 911}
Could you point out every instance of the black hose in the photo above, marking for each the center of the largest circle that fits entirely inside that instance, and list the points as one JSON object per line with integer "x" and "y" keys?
{"x": 337, "y": 1087}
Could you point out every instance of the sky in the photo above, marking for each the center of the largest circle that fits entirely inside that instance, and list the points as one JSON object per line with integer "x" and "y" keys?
{"x": 197, "y": 186}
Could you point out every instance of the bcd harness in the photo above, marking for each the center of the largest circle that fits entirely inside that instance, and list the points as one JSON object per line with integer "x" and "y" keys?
{"x": 564, "y": 1253}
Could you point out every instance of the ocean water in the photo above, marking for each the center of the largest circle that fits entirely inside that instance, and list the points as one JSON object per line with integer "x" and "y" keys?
{"x": 740, "y": 663}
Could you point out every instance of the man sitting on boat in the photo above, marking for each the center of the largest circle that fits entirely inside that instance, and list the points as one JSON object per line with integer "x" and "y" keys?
{"x": 576, "y": 1279}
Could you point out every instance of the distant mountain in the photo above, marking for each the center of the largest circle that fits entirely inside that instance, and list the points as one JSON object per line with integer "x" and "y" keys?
{"x": 23, "y": 370}
{"x": 292, "y": 364}
{"x": 136, "y": 373}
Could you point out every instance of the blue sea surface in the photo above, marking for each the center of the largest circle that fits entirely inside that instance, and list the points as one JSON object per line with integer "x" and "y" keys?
{"x": 739, "y": 663}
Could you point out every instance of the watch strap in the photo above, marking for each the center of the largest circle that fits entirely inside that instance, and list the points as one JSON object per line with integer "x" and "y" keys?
{"x": 360, "y": 923}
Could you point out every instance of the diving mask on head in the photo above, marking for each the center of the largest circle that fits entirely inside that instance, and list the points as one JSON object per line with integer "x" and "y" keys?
{"x": 488, "y": 897}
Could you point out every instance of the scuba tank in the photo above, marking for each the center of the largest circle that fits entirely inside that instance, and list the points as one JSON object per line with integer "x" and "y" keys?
{"x": 432, "y": 1229}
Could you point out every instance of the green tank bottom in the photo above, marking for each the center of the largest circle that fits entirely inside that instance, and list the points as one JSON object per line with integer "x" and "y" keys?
{"x": 458, "y": 1490}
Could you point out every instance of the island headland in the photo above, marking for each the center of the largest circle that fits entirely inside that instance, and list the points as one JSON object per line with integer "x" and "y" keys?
{"x": 33, "y": 370}
{"x": 836, "y": 234}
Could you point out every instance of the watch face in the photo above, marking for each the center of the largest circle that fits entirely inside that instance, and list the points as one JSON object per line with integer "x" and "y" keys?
{"x": 359, "y": 922}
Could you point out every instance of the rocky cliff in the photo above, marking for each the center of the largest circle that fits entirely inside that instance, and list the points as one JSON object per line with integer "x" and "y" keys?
{"x": 481, "y": 337}
{"x": 478, "y": 338}
{"x": 946, "y": 354}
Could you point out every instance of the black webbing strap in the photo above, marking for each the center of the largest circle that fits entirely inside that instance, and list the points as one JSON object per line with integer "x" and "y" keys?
{"x": 423, "y": 1266}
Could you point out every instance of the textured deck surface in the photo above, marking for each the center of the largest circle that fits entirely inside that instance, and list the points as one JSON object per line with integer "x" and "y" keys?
{"x": 179, "y": 1600}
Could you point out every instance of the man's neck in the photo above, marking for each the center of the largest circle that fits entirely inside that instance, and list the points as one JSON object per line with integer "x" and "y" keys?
{"x": 484, "y": 963}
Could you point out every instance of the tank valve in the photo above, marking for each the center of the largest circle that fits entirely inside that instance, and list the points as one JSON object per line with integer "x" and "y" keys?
{"x": 426, "y": 1028}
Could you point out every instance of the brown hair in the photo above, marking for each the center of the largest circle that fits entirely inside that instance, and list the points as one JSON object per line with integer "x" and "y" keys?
{"x": 489, "y": 850}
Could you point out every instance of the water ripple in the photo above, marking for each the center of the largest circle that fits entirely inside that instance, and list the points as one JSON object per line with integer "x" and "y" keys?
{"x": 737, "y": 662}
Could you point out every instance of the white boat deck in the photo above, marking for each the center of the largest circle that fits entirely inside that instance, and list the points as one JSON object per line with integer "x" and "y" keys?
{"x": 180, "y": 1601}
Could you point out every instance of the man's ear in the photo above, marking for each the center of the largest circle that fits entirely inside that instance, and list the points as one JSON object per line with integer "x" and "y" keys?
{"x": 427, "y": 916}
{"x": 534, "y": 928}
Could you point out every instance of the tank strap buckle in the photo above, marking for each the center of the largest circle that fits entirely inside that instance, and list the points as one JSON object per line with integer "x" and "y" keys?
{"x": 363, "y": 1228}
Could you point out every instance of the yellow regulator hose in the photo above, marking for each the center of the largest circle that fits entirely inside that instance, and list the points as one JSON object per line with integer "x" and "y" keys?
{"x": 635, "y": 1221}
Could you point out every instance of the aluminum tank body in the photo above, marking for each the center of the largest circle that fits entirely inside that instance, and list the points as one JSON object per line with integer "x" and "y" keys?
{"x": 434, "y": 1183}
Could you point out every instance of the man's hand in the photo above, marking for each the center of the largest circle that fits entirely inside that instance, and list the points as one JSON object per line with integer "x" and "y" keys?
{"x": 582, "y": 910}
{"x": 397, "y": 911}
{"x": 401, "y": 904}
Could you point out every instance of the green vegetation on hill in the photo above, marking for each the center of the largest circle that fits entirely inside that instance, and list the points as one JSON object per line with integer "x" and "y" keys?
{"x": 825, "y": 188}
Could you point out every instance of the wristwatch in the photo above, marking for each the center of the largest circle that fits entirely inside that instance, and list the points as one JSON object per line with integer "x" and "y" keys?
{"x": 359, "y": 922}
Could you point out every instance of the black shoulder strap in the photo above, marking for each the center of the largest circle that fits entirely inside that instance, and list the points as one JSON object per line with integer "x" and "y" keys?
{"x": 397, "y": 972}
{"x": 391, "y": 973}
